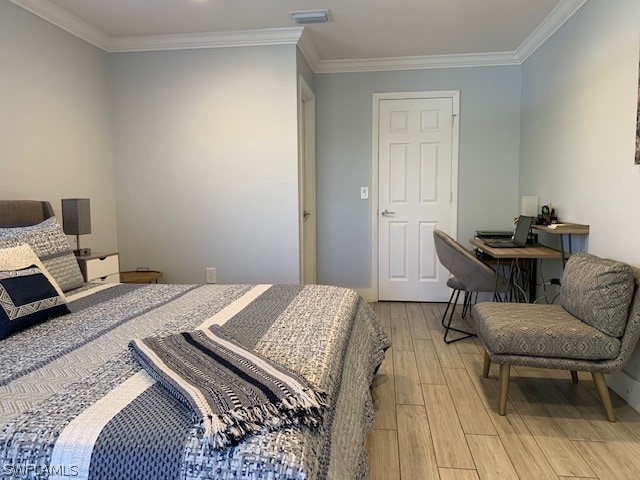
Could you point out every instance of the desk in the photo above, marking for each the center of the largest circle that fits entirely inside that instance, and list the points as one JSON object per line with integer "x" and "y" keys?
{"x": 532, "y": 253}
{"x": 528, "y": 252}
{"x": 563, "y": 229}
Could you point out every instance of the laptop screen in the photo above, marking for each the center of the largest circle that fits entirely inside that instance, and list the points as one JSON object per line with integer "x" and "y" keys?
{"x": 522, "y": 230}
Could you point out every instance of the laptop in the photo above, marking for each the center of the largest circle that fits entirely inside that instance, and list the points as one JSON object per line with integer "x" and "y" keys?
{"x": 519, "y": 239}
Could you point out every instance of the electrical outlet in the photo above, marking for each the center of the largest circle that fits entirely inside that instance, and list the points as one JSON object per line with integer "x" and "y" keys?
{"x": 210, "y": 274}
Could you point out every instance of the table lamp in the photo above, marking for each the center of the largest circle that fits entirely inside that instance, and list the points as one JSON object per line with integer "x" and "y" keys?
{"x": 529, "y": 206}
{"x": 76, "y": 220}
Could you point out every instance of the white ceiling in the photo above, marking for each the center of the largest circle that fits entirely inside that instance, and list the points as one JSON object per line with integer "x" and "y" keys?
{"x": 359, "y": 29}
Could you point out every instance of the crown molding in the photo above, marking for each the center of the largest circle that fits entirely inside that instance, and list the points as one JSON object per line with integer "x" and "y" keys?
{"x": 309, "y": 51}
{"x": 418, "y": 62}
{"x": 558, "y": 16}
{"x": 59, "y": 17}
{"x": 239, "y": 38}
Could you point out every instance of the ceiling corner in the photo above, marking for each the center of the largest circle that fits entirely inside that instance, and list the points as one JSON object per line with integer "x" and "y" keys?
{"x": 59, "y": 17}
{"x": 299, "y": 36}
{"x": 558, "y": 16}
{"x": 309, "y": 50}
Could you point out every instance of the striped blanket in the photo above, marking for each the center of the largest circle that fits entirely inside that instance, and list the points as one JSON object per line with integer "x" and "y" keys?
{"x": 232, "y": 391}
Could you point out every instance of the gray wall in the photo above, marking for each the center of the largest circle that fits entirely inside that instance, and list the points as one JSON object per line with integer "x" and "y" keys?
{"x": 579, "y": 94}
{"x": 488, "y": 157}
{"x": 55, "y": 138}
{"x": 206, "y": 162}
{"x": 304, "y": 69}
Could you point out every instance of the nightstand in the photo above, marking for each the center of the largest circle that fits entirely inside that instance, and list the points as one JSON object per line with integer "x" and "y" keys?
{"x": 100, "y": 267}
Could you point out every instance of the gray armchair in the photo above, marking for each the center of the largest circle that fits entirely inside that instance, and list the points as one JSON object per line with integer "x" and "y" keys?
{"x": 594, "y": 329}
{"x": 469, "y": 275}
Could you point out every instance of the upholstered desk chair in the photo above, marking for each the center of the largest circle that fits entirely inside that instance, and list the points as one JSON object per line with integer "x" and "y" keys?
{"x": 594, "y": 329}
{"x": 469, "y": 275}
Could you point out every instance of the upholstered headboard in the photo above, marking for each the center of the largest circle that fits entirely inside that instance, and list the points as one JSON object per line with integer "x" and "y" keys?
{"x": 23, "y": 212}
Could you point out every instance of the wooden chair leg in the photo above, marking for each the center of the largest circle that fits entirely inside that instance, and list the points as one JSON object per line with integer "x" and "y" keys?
{"x": 603, "y": 391}
{"x": 503, "y": 381}
{"x": 487, "y": 365}
{"x": 574, "y": 376}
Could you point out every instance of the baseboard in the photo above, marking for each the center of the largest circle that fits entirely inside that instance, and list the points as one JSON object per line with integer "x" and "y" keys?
{"x": 626, "y": 386}
{"x": 369, "y": 294}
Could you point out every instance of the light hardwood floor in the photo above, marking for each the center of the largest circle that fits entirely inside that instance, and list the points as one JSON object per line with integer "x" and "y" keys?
{"x": 436, "y": 417}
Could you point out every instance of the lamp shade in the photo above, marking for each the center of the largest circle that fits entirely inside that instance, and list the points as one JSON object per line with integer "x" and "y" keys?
{"x": 76, "y": 216}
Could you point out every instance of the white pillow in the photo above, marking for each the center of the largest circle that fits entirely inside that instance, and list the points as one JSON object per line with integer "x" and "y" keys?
{"x": 52, "y": 247}
{"x": 23, "y": 256}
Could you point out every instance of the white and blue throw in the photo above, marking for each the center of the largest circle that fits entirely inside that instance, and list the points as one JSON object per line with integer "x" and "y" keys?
{"x": 232, "y": 391}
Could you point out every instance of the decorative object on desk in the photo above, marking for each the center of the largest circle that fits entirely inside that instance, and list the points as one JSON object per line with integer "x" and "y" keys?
{"x": 76, "y": 220}
{"x": 548, "y": 215}
{"x": 529, "y": 206}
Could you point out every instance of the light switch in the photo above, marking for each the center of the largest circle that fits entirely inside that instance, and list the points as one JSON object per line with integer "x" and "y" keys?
{"x": 364, "y": 193}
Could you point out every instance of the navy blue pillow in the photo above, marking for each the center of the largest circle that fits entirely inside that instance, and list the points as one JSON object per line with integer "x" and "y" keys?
{"x": 27, "y": 298}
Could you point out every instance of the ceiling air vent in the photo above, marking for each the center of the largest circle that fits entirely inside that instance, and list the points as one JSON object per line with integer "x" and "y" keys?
{"x": 304, "y": 17}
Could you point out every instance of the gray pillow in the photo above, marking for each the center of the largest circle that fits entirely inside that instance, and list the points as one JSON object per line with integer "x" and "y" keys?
{"x": 52, "y": 247}
{"x": 598, "y": 291}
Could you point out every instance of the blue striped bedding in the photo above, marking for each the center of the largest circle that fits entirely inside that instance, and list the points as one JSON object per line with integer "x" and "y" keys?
{"x": 75, "y": 404}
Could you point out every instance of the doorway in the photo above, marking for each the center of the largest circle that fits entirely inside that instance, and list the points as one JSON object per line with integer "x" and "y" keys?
{"x": 415, "y": 166}
{"x": 307, "y": 181}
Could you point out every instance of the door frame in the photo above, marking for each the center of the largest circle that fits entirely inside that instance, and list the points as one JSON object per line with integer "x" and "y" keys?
{"x": 455, "y": 140}
{"x": 307, "y": 179}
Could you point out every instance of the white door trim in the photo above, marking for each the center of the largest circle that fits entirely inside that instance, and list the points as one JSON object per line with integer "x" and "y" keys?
{"x": 306, "y": 179}
{"x": 455, "y": 140}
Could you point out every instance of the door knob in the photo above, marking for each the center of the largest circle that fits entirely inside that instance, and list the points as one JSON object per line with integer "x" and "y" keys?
{"x": 386, "y": 213}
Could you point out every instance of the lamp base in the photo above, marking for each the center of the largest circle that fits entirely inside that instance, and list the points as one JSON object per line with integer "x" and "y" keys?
{"x": 82, "y": 252}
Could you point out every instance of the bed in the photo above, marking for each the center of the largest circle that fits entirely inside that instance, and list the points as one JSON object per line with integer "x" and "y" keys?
{"x": 75, "y": 403}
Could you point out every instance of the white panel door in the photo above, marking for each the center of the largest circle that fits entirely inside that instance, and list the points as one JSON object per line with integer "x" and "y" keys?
{"x": 414, "y": 196}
